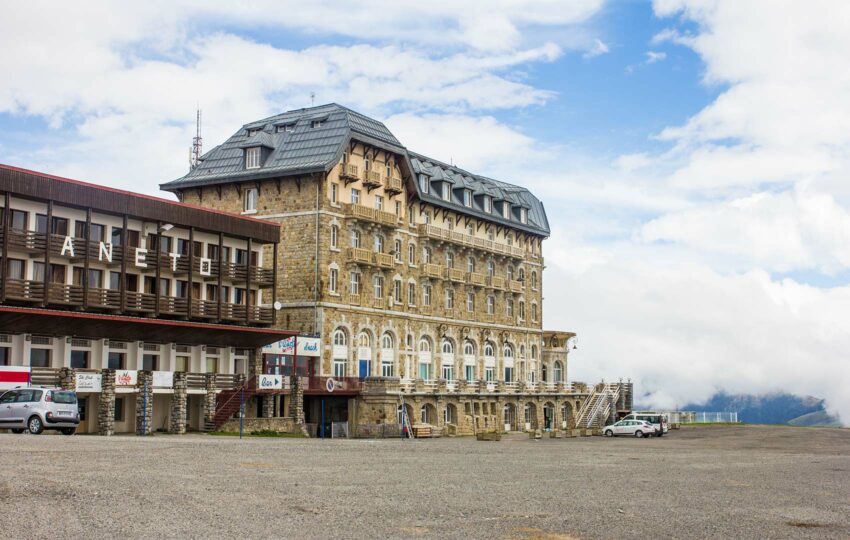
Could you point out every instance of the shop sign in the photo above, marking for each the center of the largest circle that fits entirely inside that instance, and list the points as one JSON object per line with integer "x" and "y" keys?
{"x": 163, "y": 379}
{"x": 126, "y": 377}
{"x": 270, "y": 382}
{"x": 88, "y": 382}
{"x": 308, "y": 346}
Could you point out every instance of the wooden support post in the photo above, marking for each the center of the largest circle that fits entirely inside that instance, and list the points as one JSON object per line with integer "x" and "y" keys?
{"x": 4, "y": 268}
{"x": 47, "y": 272}
{"x": 123, "y": 284}
{"x": 274, "y": 283}
{"x": 189, "y": 295}
{"x": 86, "y": 236}
{"x": 248, "y": 284}
{"x": 157, "y": 257}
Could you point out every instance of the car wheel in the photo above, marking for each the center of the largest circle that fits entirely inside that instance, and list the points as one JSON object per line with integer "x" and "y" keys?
{"x": 34, "y": 425}
{"x": 68, "y": 430}
{"x": 639, "y": 434}
{"x": 609, "y": 433}
{"x": 17, "y": 430}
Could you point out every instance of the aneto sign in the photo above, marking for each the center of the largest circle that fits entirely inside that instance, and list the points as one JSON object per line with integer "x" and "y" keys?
{"x": 106, "y": 251}
{"x": 126, "y": 377}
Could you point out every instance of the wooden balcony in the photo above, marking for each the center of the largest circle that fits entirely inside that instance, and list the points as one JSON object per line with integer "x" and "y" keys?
{"x": 474, "y": 278}
{"x": 453, "y": 274}
{"x": 371, "y": 215}
{"x": 348, "y": 173}
{"x": 432, "y": 270}
{"x": 384, "y": 260}
{"x": 515, "y": 286}
{"x": 28, "y": 241}
{"x": 379, "y": 303}
{"x": 392, "y": 184}
{"x": 354, "y": 299}
{"x": 372, "y": 179}
{"x": 496, "y": 282}
{"x": 358, "y": 255}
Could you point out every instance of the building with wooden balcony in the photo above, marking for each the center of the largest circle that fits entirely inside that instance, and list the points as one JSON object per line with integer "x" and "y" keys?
{"x": 147, "y": 307}
{"x": 422, "y": 280}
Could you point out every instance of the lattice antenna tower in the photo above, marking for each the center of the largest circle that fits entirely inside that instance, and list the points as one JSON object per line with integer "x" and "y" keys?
{"x": 197, "y": 143}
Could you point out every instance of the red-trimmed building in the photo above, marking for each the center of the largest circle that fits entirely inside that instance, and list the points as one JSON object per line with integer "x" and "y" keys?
{"x": 149, "y": 308}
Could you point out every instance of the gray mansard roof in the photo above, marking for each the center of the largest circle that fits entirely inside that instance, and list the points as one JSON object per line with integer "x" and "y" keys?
{"x": 312, "y": 140}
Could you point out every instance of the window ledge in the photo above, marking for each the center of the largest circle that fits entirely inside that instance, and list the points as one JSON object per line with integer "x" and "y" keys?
{"x": 336, "y": 204}
{"x": 331, "y": 293}
{"x": 335, "y": 249}
{"x": 248, "y": 212}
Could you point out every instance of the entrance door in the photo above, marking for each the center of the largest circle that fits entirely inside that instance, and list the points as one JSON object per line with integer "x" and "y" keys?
{"x": 365, "y": 368}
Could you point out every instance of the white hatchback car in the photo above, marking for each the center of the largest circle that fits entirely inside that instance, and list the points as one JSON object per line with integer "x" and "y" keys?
{"x": 634, "y": 428}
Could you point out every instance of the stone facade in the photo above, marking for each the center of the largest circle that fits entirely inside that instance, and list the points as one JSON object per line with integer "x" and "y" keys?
{"x": 144, "y": 403}
{"x": 106, "y": 410}
{"x": 177, "y": 418}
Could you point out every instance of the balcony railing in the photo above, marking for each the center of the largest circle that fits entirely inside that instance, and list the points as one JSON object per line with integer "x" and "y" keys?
{"x": 349, "y": 173}
{"x": 339, "y": 384}
{"x": 463, "y": 239}
{"x": 392, "y": 184}
{"x": 515, "y": 286}
{"x": 453, "y": 274}
{"x": 384, "y": 260}
{"x": 354, "y": 299}
{"x": 372, "y": 179}
{"x": 496, "y": 282}
{"x": 432, "y": 270}
{"x": 359, "y": 255}
{"x": 373, "y": 215}
{"x": 476, "y": 279}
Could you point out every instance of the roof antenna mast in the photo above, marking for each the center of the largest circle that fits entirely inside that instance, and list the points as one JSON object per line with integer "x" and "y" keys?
{"x": 197, "y": 144}
{"x": 312, "y": 99}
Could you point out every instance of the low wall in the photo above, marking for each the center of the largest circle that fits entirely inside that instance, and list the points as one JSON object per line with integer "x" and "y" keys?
{"x": 281, "y": 425}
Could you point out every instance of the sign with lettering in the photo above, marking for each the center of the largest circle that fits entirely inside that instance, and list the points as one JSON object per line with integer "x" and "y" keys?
{"x": 126, "y": 377}
{"x": 106, "y": 250}
{"x": 88, "y": 382}
{"x": 163, "y": 379}
{"x": 308, "y": 346}
{"x": 270, "y": 382}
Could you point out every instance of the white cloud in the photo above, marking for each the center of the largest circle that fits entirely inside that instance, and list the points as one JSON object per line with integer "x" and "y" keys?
{"x": 655, "y": 56}
{"x": 598, "y": 48}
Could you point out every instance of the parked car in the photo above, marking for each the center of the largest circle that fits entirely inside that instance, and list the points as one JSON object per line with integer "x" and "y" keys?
{"x": 658, "y": 421}
{"x": 37, "y": 409}
{"x": 635, "y": 428}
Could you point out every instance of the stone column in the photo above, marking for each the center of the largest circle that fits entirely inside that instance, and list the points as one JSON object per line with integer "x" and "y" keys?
{"x": 296, "y": 400}
{"x": 267, "y": 406}
{"x": 144, "y": 403}
{"x": 67, "y": 379}
{"x": 106, "y": 411}
{"x": 177, "y": 418}
{"x": 209, "y": 402}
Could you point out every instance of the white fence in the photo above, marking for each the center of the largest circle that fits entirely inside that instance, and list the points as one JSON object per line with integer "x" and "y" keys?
{"x": 690, "y": 417}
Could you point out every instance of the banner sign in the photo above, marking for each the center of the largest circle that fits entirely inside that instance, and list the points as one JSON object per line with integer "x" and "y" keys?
{"x": 306, "y": 346}
{"x": 163, "y": 379}
{"x": 88, "y": 382}
{"x": 14, "y": 376}
{"x": 126, "y": 377}
{"x": 270, "y": 382}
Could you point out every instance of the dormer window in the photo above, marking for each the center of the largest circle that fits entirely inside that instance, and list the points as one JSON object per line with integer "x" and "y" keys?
{"x": 317, "y": 123}
{"x": 285, "y": 128}
{"x": 447, "y": 192}
{"x": 488, "y": 204}
{"x": 424, "y": 184}
{"x": 523, "y": 215}
{"x": 506, "y": 210}
{"x": 252, "y": 132}
{"x": 252, "y": 158}
{"x": 467, "y": 198}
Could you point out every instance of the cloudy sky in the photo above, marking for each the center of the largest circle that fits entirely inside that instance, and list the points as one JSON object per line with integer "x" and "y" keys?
{"x": 692, "y": 155}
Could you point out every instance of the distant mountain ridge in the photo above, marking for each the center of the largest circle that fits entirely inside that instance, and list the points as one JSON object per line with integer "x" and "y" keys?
{"x": 774, "y": 408}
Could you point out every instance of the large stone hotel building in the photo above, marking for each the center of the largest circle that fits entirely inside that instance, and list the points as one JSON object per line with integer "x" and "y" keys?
{"x": 422, "y": 281}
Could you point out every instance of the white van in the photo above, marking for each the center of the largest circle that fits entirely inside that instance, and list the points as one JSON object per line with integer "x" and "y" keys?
{"x": 657, "y": 420}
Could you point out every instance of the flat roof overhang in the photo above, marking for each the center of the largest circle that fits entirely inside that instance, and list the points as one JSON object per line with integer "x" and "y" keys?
{"x": 122, "y": 328}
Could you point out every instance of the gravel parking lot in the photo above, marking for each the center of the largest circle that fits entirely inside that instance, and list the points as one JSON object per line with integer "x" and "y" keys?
{"x": 743, "y": 482}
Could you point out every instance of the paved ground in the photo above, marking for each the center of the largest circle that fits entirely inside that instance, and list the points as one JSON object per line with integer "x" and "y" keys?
{"x": 742, "y": 482}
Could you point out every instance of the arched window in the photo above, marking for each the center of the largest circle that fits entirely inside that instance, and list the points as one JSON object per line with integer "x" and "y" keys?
{"x": 510, "y": 273}
{"x": 334, "y": 236}
{"x": 408, "y": 342}
{"x": 411, "y": 253}
{"x": 522, "y": 309}
{"x": 450, "y": 259}
{"x": 470, "y": 264}
{"x": 387, "y": 341}
{"x": 533, "y": 279}
{"x": 508, "y": 351}
{"x": 448, "y": 347}
{"x": 521, "y": 274}
{"x": 363, "y": 340}
{"x": 534, "y": 311}
{"x": 468, "y": 348}
{"x": 387, "y": 355}
{"x": 426, "y": 255}
{"x": 489, "y": 350}
{"x": 355, "y": 238}
{"x": 558, "y": 372}
{"x": 522, "y": 352}
{"x": 491, "y": 269}
{"x": 339, "y": 337}
{"x": 534, "y": 352}
{"x": 379, "y": 243}
{"x": 424, "y": 345}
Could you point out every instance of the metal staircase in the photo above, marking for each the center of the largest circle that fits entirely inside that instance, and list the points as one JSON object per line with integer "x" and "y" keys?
{"x": 601, "y": 406}
{"x": 228, "y": 403}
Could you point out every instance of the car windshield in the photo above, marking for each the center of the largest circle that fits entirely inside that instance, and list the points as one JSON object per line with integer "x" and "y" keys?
{"x": 67, "y": 398}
